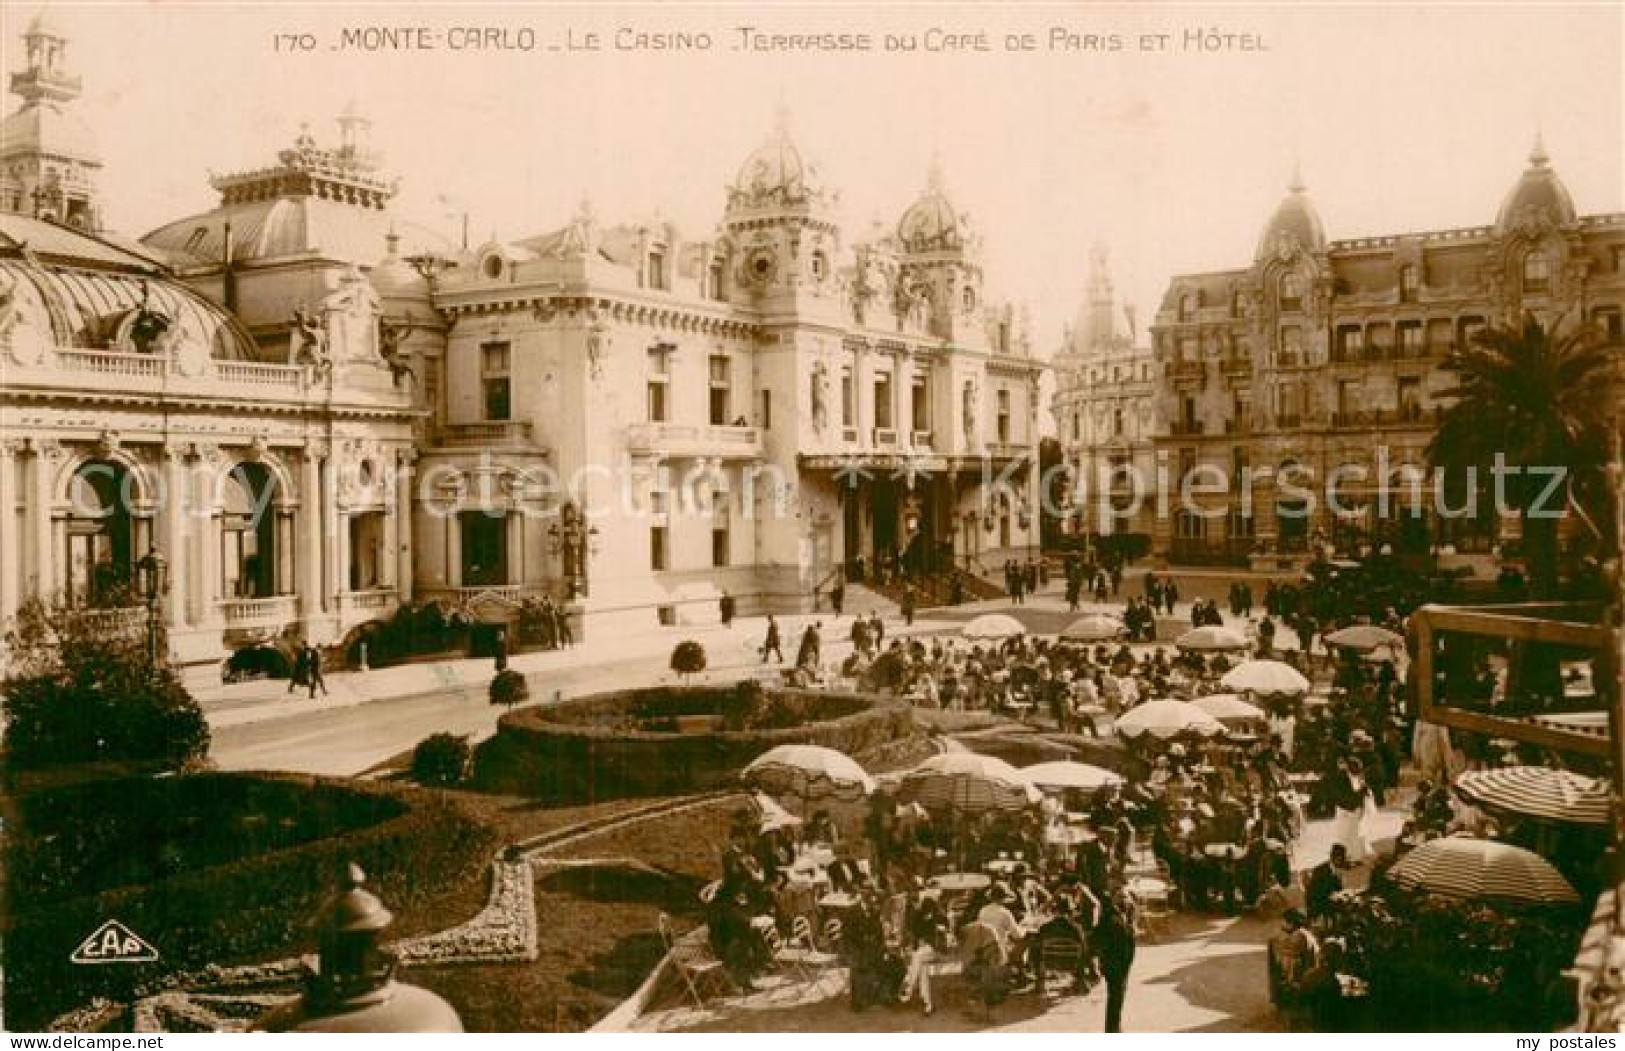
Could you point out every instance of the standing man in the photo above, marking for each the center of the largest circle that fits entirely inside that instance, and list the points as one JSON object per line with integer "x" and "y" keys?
{"x": 837, "y": 592}
{"x": 725, "y": 606}
{"x": 301, "y": 667}
{"x": 1114, "y": 947}
{"x": 313, "y": 671}
{"x": 771, "y": 644}
{"x": 807, "y": 654}
{"x": 499, "y": 651}
{"x": 908, "y": 603}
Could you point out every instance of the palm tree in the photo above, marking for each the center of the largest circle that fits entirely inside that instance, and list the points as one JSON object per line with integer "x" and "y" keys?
{"x": 1538, "y": 400}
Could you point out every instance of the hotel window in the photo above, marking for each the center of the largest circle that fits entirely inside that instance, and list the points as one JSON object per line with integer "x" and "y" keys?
{"x": 719, "y": 288}
{"x": 494, "y": 360}
{"x": 1291, "y": 297}
{"x": 719, "y": 538}
{"x": 719, "y": 381}
{"x": 883, "y": 400}
{"x": 849, "y": 399}
{"x": 1004, "y": 415}
{"x": 1537, "y": 274}
{"x": 920, "y": 402}
{"x": 968, "y": 297}
{"x": 1350, "y": 342}
{"x": 657, "y": 269}
{"x": 1410, "y": 283}
{"x": 1187, "y": 307}
{"x": 820, "y": 266}
{"x": 659, "y": 548}
{"x": 659, "y": 386}
{"x": 1410, "y": 340}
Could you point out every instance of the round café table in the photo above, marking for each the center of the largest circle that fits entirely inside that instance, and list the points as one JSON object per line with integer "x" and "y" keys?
{"x": 961, "y": 882}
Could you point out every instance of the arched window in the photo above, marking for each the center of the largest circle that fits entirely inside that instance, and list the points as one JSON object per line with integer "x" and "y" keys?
{"x": 1291, "y": 297}
{"x": 248, "y": 532}
{"x": 102, "y": 541}
{"x": 1537, "y": 274}
{"x": 1187, "y": 307}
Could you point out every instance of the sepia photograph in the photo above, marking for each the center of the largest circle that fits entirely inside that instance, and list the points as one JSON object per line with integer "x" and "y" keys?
{"x": 754, "y": 518}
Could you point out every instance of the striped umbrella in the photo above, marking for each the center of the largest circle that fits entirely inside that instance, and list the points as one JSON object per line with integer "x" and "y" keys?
{"x": 1265, "y": 677}
{"x": 1483, "y": 869}
{"x": 1096, "y": 627}
{"x": 1167, "y": 719}
{"x": 1539, "y": 791}
{"x": 993, "y": 626}
{"x": 1067, "y": 774}
{"x": 808, "y": 771}
{"x": 1227, "y": 708}
{"x": 969, "y": 783}
{"x": 1364, "y": 637}
{"x": 1211, "y": 637}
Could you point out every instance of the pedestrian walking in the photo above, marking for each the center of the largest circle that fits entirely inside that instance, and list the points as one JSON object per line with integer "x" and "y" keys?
{"x": 499, "y": 651}
{"x": 908, "y": 604}
{"x": 772, "y": 643}
{"x": 313, "y": 671}
{"x": 725, "y": 606}
{"x": 837, "y": 595}
{"x": 1114, "y": 947}
{"x": 301, "y": 668}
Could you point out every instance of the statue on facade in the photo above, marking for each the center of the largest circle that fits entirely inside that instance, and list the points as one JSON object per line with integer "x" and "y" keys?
{"x": 390, "y": 338}
{"x": 310, "y": 342}
{"x": 973, "y": 395}
{"x": 820, "y": 397}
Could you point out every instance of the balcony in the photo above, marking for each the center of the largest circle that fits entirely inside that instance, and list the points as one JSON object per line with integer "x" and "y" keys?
{"x": 1238, "y": 425}
{"x": 849, "y": 434}
{"x": 1187, "y": 370}
{"x": 885, "y": 436}
{"x": 490, "y": 596}
{"x": 681, "y": 440}
{"x": 372, "y": 600}
{"x": 921, "y": 440}
{"x": 1185, "y": 428}
{"x": 273, "y": 611}
{"x": 484, "y": 434}
{"x": 1237, "y": 365}
{"x": 1288, "y": 423}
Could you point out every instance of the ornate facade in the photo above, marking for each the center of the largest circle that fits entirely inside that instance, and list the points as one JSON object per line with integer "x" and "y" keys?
{"x": 1105, "y": 409}
{"x": 318, "y": 412}
{"x": 1322, "y": 354}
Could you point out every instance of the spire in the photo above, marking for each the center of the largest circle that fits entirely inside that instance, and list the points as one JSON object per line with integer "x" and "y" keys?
{"x": 933, "y": 174}
{"x": 1538, "y": 158}
{"x": 1295, "y": 185}
{"x": 45, "y": 75}
{"x": 781, "y": 117}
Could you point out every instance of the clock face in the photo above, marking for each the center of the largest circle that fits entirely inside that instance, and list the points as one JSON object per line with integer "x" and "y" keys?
{"x": 761, "y": 265}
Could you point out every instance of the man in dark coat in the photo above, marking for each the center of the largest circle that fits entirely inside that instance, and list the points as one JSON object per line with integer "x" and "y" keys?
{"x": 1324, "y": 881}
{"x": 908, "y": 604}
{"x": 772, "y": 644}
{"x": 726, "y": 607}
{"x": 1114, "y": 949}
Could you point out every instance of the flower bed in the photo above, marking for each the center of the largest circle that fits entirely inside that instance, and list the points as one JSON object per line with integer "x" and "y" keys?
{"x": 420, "y": 850}
{"x": 630, "y": 743}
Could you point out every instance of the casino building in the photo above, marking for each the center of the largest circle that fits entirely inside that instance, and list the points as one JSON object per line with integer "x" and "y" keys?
{"x": 318, "y": 412}
{"x": 1319, "y": 353}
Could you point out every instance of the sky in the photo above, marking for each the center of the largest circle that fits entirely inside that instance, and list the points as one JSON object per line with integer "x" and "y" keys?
{"x": 1400, "y": 117}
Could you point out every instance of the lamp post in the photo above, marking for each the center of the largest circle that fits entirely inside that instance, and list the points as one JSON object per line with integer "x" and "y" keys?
{"x": 152, "y": 577}
{"x": 573, "y": 538}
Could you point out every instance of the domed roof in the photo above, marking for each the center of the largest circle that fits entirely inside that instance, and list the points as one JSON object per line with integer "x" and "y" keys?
{"x": 42, "y": 24}
{"x": 931, "y": 224}
{"x": 1539, "y": 197}
{"x": 44, "y": 126}
{"x": 776, "y": 174}
{"x": 395, "y": 278}
{"x": 1295, "y": 223}
{"x": 293, "y": 226}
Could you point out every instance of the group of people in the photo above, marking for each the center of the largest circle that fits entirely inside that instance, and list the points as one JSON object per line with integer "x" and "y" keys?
{"x": 1024, "y": 578}
{"x": 1087, "y": 577}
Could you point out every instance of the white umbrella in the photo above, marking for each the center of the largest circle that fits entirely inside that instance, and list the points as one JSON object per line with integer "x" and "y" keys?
{"x": 1265, "y": 677}
{"x": 1211, "y": 637}
{"x": 1482, "y": 869}
{"x": 967, "y": 782}
{"x": 772, "y": 815}
{"x": 1096, "y": 627}
{"x": 1167, "y": 719}
{"x": 1364, "y": 637}
{"x": 1068, "y": 774}
{"x": 1227, "y": 707}
{"x": 993, "y": 626}
{"x": 808, "y": 771}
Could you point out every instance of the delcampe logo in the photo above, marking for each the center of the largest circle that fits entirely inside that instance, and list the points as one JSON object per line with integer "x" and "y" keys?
{"x": 113, "y": 942}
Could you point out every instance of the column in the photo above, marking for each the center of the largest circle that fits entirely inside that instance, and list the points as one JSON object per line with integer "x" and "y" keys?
{"x": 334, "y": 534}
{"x": 310, "y": 534}
{"x": 454, "y": 548}
{"x": 11, "y": 555}
{"x": 173, "y": 533}
{"x": 208, "y": 520}
{"x": 514, "y": 523}
{"x": 404, "y": 504}
{"x": 286, "y": 560}
{"x": 46, "y": 454}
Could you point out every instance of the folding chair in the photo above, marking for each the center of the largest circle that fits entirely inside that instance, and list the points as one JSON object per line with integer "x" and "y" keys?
{"x": 702, "y": 973}
{"x": 1060, "y": 954}
{"x": 797, "y": 953}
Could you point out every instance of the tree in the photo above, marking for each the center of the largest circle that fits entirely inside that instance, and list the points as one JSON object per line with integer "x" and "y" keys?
{"x": 1539, "y": 401}
{"x": 688, "y": 658}
{"x": 442, "y": 760}
{"x": 81, "y": 690}
{"x": 509, "y": 687}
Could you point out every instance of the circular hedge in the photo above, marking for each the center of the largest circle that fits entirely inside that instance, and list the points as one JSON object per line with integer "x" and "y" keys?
{"x": 675, "y": 740}
{"x": 211, "y": 869}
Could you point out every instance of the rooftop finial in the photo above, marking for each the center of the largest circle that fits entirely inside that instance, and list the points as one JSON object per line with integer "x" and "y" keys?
{"x": 781, "y": 117}
{"x": 1296, "y": 184}
{"x": 933, "y": 174}
{"x": 1538, "y": 157}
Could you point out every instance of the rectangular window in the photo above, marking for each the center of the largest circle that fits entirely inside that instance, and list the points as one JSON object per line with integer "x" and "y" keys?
{"x": 657, "y": 270}
{"x": 719, "y": 289}
{"x": 1004, "y": 415}
{"x": 1077, "y": 426}
{"x": 1350, "y": 343}
{"x": 494, "y": 361}
{"x": 920, "y": 403}
{"x": 659, "y": 556}
{"x": 1410, "y": 397}
{"x": 767, "y": 410}
{"x": 659, "y": 387}
{"x": 1410, "y": 340}
{"x": 1537, "y": 273}
{"x": 1410, "y": 283}
{"x": 719, "y": 389}
{"x": 849, "y": 399}
{"x": 719, "y": 544}
{"x": 883, "y": 401}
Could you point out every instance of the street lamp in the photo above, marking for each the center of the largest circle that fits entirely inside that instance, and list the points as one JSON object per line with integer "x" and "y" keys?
{"x": 152, "y": 578}
{"x": 573, "y": 538}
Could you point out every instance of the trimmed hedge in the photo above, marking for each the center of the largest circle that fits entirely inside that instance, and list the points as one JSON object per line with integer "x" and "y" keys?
{"x": 630, "y": 743}
{"x": 211, "y": 898}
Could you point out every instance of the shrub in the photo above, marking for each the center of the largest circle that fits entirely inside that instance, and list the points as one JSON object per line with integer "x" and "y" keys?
{"x": 80, "y": 693}
{"x": 509, "y": 688}
{"x": 441, "y": 759}
{"x": 688, "y": 658}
